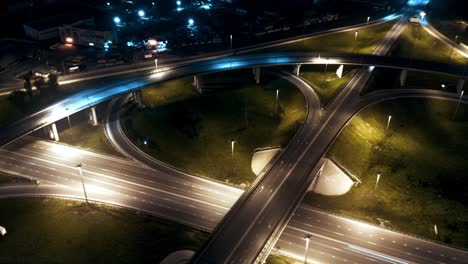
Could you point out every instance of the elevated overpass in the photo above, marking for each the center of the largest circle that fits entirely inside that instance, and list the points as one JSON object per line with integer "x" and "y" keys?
{"x": 96, "y": 95}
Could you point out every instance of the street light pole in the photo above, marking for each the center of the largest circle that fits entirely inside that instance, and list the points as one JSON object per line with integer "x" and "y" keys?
{"x": 458, "y": 104}
{"x": 232, "y": 147}
{"x": 69, "y": 123}
{"x": 451, "y": 50}
{"x": 79, "y": 165}
{"x": 422, "y": 14}
{"x": 277, "y": 98}
{"x": 307, "y": 239}
{"x": 230, "y": 39}
{"x": 156, "y": 64}
{"x": 232, "y": 155}
{"x": 325, "y": 72}
{"x": 377, "y": 180}
{"x": 355, "y": 41}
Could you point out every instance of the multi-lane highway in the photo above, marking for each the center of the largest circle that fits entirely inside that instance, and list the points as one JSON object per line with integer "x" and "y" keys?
{"x": 189, "y": 200}
{"x": 8, "y": 84}
{"x": 255, "y": 222}
{"x": 334, "y": 240}
{"x": 55, "y": 163}
{"x": 98, "y": 94}
{"x": 129, "y": 184}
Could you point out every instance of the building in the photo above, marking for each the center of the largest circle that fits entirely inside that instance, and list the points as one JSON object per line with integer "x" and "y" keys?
{"x": 48, "y": 28}
{"x": 88, "y": 35}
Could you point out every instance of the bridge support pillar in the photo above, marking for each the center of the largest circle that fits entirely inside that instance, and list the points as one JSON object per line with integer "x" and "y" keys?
{"x": 460, "y": 85}
{"x": 256, "y": 73}
{"x": 92, "y": 117}
{"x": 137, "y": 98}
{"x": 51, "y": 132}
{"x": 297, "y": 69}
{"x": 198, "y": 84}
{"x": 403, "y": 76}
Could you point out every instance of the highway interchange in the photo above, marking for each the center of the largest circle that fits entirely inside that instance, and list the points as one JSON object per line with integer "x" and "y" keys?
{"x": 197, "y": 202}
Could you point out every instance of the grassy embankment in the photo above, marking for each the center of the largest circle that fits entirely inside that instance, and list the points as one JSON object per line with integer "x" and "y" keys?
{"x": 193, "y": 132}
{"x": 367, "y": 40}
{"x": 422, "y": 160}
{"x": 64, "y": 231}
{"x": 417, "y": 43}
{"x": 86, "y": 136}
{"x": 326, "y": 84}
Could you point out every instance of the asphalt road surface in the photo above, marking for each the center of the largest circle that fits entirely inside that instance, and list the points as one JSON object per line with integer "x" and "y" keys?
{"x": 143, "y": 190}
{"x": 252, "y": 226}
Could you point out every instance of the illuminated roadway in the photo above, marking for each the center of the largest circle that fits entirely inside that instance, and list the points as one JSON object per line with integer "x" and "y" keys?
{"x": 120, "y": 182}
{"x": 251, "y": 228}
{"x": 7, "y": 86}
{"x": 332, "y": 240}
{"x": 98, "y": 94}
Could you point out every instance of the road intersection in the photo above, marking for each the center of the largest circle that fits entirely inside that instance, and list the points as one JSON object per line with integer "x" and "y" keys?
{"x": 144, "y": 187}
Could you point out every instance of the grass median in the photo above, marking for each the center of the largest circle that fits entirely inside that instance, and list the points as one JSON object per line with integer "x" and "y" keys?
{"x": 422, "y": 162}
{"x": 278, "y": 259}
{"x": 452, "y": 28}
{"x": 416, "y": 43}
{"x": 325, "y": 81}
{"x": 92, "y": 138}
{"x": 193, "y": 132}
{"x": 367, "y": 40}
{"x": 65, "y": 231}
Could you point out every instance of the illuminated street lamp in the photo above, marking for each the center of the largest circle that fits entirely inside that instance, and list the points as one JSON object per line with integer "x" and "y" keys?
{"x": 451, "y": 50}
{"x": 79, "y": 166}
{"x": 277, "y": 95}
{"x": 69, "y": 40}
{"x": 178, "y": 3}
{"x": 368, "y": 18}
{"x": 388, "y": 122}
{"x": 230, "y": 38}
{"x": 191, "y": 22}
{"x": 141, "y": 13}
{"x": 326, "y": 68}
{"x": 68, "y": 118}
{"x": 355, "y": 41}
{"x": 232, "y": 147}
{"x": 307, "y": 240}
{"x": 377, "y": 180}
{"x": 422, "y": 14}
{"x": 458, "y": 104}
{"x": 117, "y": 20}
{"x": 277, "y": 98}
